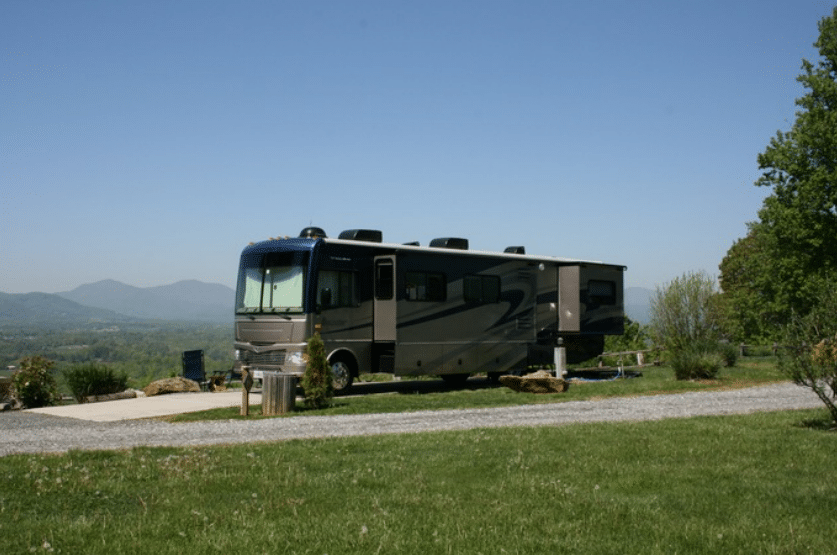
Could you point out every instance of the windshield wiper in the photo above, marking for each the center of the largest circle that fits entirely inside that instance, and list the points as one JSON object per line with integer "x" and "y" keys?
{"x": 282, "y": 314}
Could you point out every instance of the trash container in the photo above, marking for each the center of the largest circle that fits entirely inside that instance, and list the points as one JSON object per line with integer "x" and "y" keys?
{"x": 278, "y": 393}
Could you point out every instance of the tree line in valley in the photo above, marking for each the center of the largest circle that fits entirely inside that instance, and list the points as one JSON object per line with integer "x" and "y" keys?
{"x": 142, "y": 351}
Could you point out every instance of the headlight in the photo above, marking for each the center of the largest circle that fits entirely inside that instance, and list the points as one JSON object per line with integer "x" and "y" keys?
{"x": 297, "y": 359}
{"x": 239, "y": 356}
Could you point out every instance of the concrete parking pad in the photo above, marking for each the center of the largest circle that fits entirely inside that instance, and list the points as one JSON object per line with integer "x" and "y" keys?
{"x": 149, "y": 407}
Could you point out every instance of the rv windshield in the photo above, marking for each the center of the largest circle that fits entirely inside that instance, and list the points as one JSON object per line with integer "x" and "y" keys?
{"x": 272, "y": 282}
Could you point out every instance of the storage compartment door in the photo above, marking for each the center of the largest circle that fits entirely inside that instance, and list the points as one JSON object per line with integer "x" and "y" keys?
{"x": 569, "y": 299}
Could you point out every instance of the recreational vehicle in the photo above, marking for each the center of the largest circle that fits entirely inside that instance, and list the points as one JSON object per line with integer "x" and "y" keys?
{"x": 440, "y": 310}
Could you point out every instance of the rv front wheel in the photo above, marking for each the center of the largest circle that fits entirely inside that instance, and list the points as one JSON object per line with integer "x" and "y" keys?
{"x": 342, "y": 377}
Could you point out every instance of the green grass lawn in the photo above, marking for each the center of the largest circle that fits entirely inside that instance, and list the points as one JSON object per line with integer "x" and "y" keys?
{"x": 761, "y": 483}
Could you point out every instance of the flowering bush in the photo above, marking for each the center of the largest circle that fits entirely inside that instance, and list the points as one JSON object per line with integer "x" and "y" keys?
{"x": 34, "y": 385}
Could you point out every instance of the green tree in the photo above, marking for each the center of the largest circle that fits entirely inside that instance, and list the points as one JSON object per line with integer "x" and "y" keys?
{"x": 634, "y": 338}
{"x": 796, "y": 250}
{"x": 749, "y": 298}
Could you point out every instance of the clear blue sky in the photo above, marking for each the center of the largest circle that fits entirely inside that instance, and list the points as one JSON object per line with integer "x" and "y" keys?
{"x": 150, "y": 141}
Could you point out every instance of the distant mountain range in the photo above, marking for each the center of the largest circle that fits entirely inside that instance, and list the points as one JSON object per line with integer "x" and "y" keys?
{"x": 112, "y": 301}
{"x": 194, "y": 301}
{"x": 45, "y": 310}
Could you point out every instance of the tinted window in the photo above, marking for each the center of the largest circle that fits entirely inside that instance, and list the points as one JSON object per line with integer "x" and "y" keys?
{"x": 601, "y": 292}
{"x": 423, "y": 286}
{"x": 481, "y": 289}
{"x": 336, "y": 289}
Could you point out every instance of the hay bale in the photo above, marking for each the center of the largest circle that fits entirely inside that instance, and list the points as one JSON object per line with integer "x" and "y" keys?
{"x": 538, "y": 382}
{"x": 171, "y": 385}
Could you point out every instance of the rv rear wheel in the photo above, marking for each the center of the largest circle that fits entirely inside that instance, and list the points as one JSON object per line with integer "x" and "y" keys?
{"x": 342, "y": 376}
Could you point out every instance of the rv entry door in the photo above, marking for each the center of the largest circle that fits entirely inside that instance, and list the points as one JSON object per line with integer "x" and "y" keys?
{"x": 385, "y": 298}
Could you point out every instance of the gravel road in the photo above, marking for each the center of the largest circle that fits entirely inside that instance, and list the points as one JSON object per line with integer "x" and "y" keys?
{"x": 24, "y": 432}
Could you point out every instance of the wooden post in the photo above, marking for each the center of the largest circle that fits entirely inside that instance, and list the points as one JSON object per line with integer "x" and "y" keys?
{"x": 247, "y": 382}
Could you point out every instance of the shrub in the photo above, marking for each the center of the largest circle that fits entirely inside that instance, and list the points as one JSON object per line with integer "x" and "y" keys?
{"x": 685, "y": 321}
{"x": 5, "y": 389}
{"x": 700, "y": 360}
{"x": 684, "y": 312}
{"x": 810, "y": 359}
{"x": 729, "y": 352}
{"x": 90, "y": 379}
{"x": 316, "y": 381}
{"x": 34, "y": 385}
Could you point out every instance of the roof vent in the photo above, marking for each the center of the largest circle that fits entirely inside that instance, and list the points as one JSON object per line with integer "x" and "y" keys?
{"x": 369, "y": 235}
{"x": 515, "y": 250}
{"x": 313, "y": 233}
{"x": 450, "y": 243}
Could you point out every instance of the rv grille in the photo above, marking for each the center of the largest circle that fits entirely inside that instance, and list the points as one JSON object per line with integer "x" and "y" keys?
{"x": 271, "y": 358}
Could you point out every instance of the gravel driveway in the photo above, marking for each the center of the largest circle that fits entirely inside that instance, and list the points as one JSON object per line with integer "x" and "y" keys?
{"x": 24, "y": 432}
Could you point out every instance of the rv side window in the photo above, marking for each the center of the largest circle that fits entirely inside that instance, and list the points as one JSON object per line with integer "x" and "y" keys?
{"x": 601, "y": 292}
{"x": 423, "y": 286}
{"x": 481, "y": 289}
{"x": 336, "y": 289}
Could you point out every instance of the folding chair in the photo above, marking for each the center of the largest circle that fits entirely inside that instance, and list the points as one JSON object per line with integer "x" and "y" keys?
{"x": 193, "y": 368}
